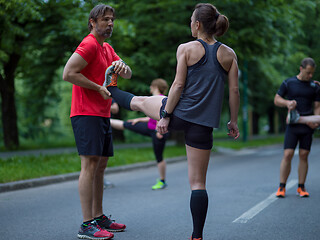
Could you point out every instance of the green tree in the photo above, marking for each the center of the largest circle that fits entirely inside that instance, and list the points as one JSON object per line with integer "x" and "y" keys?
{"x": 14, "y": 16}
{"x": 35, "y": 36}
{"x": 262, "y": 33}
{"x": 155, "y": 29}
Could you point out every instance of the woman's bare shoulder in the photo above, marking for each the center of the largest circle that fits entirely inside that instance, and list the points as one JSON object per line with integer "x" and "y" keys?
{"x": 190, "y": 46}
{"x": 227, "y": 51}
{"x": 226, "y": 57}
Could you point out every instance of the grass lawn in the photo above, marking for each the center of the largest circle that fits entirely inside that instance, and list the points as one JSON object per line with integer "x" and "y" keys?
{"x": 27, "y": 167}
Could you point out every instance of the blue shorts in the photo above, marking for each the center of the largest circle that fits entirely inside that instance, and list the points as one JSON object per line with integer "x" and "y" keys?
{"x": 298, "y": 133}
{"x": 197, "y": 136}
{"x": 93, "y": 135}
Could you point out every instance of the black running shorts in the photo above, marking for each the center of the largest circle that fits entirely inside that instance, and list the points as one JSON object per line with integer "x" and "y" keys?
{"x": 197, "y": 136}
{"x": 93, "y": 135}
{"x": 298, "y": 133}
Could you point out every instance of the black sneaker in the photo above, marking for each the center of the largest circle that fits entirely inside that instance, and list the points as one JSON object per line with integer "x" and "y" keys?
{"x": 110, "y": 225}
{"x": 293, "y": 116}
{"x": 93, "y": 231}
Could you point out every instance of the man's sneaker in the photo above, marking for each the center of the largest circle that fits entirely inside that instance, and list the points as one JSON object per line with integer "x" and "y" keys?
{"x": 93, "y": 231}
{"x": 281, "y": 192}
{"x": 302, "y": 192}
{"x": 110, "y": 225}
{"x": 293, "y": 116}
{"x": 195, "y": 238}
{"x": 110, "y": 78}
{"x": 159, "y": 185}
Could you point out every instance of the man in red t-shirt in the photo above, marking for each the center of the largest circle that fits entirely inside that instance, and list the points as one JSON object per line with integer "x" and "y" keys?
{"x": 90, "y": 118}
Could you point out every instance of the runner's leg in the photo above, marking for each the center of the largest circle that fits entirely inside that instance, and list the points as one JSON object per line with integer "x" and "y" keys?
{"x": 198, "y": 160}
{"x": 150, "y": 106}
{"x": 116, "y": 124}
{"x": 285, "y": 166}
{"x": 98, "y": 187}
{"x": 312, "y": 119}
{"x": 86, "y": 179}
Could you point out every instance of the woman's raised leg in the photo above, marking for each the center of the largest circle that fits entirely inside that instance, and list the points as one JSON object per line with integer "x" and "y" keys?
{"x": 150, "y": 106}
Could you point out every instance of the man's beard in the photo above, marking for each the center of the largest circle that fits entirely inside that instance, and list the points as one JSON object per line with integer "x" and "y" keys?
{"x": 104, "y": 33}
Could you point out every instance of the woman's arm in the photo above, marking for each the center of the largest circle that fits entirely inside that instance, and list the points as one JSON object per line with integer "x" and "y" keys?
{"x": 179, "y": 81}
{"x": 228, "y": 60}
{"x": 176, "y": 87}
{"x": 234, "y": 98}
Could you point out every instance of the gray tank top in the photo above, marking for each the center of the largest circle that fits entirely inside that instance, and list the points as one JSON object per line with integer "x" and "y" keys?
{"x": 202, "y": 96}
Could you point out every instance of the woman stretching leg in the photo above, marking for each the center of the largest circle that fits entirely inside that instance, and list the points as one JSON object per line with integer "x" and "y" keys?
{"x": 194, "y": 101}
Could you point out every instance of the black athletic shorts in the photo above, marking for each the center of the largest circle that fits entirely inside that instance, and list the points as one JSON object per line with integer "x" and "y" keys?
{"x": 197, "y": 136}
{"x": 298, "y": 133}
{"x": 93, "y": 135}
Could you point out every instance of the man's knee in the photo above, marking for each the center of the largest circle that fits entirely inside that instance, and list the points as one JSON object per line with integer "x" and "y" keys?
{"x": 89, "y": 163}
{"x": 303, "y": 155}
{"x": 102, "y": 165}
{"x": 288, "y": 155}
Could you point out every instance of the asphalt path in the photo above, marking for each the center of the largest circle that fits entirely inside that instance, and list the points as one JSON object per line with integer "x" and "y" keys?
{"x": 241, "y": 187}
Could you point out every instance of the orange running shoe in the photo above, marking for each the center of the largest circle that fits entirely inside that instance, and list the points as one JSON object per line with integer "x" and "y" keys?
{"x": 281, "y": 192}
{"x": 302, "y": 192}
{"x": 111, "y": 78}
{"x": 195, "y": 238}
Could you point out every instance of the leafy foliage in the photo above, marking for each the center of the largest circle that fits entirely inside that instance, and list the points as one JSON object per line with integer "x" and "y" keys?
{"x": 271, "y": 35}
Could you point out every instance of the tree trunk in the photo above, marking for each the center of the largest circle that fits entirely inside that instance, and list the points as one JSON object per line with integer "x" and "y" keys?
{"x": 255, "y": 123}
{"x": 9, "y": 112}
{"x": 271, "y": 119}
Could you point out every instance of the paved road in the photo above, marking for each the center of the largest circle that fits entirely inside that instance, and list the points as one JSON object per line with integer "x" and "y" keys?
{"x": 242, "y": 205}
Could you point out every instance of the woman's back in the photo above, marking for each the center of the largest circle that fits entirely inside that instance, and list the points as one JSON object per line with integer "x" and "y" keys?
{"x": 201, "y": 99}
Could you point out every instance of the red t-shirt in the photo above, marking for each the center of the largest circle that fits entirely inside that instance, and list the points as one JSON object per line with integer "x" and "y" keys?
{"x": 86, "y": 101}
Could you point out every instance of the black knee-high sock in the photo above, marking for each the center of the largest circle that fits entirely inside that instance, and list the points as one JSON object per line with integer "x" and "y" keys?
{"x": 199, "y": 207}
{"x": 121, "y": 97}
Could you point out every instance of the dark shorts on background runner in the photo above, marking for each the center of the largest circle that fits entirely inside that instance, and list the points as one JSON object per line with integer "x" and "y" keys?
{"x": 93, "y": 135}
{"x": 197, "y": 136}
{"x": 298, "y": 133}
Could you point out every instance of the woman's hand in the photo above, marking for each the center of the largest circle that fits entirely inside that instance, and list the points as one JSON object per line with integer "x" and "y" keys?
{"x": 233, "y": 130}
{"x": 162, "y": 126}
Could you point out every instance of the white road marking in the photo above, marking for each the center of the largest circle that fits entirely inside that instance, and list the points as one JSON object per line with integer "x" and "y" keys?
{"x": 262, "y": 205}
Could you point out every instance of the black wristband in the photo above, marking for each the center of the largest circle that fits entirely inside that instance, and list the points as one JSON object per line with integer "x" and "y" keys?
{"x": 165, "y": 114}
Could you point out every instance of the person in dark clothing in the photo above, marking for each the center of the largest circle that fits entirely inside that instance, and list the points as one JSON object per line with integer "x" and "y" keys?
{"x": 302, "y": 94}
{"x": 194, "y": 101}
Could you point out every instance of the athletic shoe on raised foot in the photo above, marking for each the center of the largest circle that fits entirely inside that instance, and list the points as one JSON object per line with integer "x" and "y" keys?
{"x": 159, "y": 185}
{"x": 93, "y": 231}
{"x": 110, "y": 78}
{"x": 302, "y": 192}
{"x": 293, "y": 116}
{"x": 281, "y": 192}
{"x": 110, "y": 225}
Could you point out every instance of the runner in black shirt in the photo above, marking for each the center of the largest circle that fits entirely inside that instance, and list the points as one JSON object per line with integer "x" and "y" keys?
{"x": 302, "y": 94}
